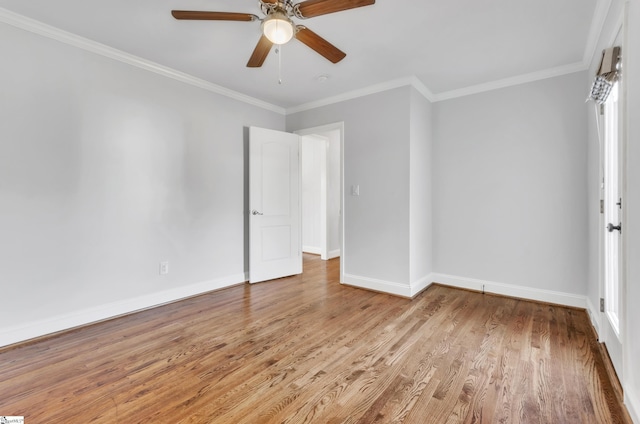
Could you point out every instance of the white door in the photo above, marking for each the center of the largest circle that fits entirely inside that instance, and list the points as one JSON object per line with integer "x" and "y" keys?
{"x": 612, "y": 335}
{"x": 275, "y": 246}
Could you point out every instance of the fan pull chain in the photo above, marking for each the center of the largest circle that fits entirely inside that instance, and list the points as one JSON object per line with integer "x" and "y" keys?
{"x": 279, "y": 53}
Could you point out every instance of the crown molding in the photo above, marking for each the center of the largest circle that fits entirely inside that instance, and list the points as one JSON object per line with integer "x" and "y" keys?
{"x": 422, "y": 89}
{"x": 372, "y": 89}
{"x": 508, "y": 82}
{"x": 414, "y": 82}
{"x": 86, "y": 44}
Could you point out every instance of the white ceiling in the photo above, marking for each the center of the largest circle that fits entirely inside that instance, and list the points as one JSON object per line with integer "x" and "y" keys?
{"x": 449, "y": 46}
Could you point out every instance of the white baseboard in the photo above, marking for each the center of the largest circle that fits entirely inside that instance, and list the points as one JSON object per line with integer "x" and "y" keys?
{"x": 312, "y": 249}
{"x": 398, "y": 289}
{"x": 594, "y": 314}
{"x": 421, "y": 284}
{"x": 31, "y": 330}
{"x": 512, "y": 290}
{"x": 317, "y": 251}
{"x": 632, "y": 402}
{"x": 333, "y": 254}
{"x": 390, "y": 287}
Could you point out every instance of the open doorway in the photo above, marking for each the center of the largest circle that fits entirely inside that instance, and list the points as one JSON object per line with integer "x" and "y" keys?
{"x": 321, "y": 195}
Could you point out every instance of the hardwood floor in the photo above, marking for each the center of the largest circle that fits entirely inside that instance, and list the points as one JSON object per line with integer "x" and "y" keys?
{"x": 306, "y": 349}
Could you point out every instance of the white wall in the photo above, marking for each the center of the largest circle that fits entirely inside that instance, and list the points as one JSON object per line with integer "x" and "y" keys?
{"x": 420, "y": 207}
{"x": 376, "y": 157}
{"x": 510, "y": 191}
{"x": 105, "y": 170}
{"x": 387, "y": 153}
{"x": 334, "y": 214}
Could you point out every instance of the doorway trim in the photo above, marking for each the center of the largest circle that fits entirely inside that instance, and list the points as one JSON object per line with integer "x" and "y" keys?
{"x": 319, "y": 130}
{"x": 618, "y": 36}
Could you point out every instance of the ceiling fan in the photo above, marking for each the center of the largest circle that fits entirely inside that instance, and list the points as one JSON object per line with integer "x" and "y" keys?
{"x": 279, "y": 28}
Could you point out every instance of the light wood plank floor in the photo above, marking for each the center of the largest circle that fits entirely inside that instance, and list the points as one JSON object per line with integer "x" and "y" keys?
{"x": 306, "y": 349}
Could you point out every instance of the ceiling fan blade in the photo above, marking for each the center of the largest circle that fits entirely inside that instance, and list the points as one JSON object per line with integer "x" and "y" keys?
{"x": 196, "y": 15}
{"x": 260, "y": 53}
{"x": 311, "y": 8}
{"x": 319, "y": 44}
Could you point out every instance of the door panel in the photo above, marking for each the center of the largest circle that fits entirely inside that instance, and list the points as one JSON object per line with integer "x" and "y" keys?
{"x": 274, "y": 201}
{"x": 276, "y": 243}
{"x": 276, "y": 172}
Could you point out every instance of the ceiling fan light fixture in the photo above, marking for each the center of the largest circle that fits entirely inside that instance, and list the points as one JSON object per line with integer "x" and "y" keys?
{"x": 278, "y": 28}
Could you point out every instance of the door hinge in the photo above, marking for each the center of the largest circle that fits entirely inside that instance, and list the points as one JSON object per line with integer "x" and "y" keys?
{"x": 601, "y": 206}
{"x": 619, "y": 203}
{"x": 601, "y": 304}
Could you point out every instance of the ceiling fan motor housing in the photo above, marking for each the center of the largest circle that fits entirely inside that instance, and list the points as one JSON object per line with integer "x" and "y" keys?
{"x": 277, "y": 27}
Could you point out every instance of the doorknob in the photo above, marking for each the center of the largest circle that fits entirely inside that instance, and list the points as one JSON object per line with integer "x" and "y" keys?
{"x": 255, "y": 212}
{"x": 612, "y": 227}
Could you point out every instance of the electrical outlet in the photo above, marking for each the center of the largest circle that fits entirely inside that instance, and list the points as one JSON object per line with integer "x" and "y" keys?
{"x": 164, "y": 267}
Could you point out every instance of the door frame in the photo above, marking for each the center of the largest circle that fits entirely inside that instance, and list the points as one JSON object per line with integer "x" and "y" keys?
{"x": 319, "y": 130}
{"x": 605, "y": 331}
